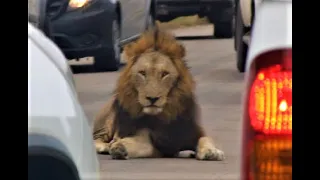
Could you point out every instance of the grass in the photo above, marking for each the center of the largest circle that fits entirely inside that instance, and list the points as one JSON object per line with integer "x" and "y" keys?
{"x": 183, "y": 21}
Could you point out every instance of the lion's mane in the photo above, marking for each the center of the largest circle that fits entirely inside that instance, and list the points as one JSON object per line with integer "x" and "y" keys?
{"x": 181, "y": 94}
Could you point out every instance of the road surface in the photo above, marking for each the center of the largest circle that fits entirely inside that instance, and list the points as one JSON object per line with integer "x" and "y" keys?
{"x": 219, "y": 88}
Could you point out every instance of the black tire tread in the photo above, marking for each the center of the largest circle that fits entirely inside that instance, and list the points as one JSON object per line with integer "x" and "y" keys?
{"x": 50, "y": 164}
{"x": 223, "y": 29}
{"x": 240, "y": 46}
{"x": 107, "y": 62}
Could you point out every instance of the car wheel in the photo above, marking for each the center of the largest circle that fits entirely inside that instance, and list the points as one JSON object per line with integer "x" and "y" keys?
{"x": 240, "y": 46}
{"x": 111, "y": 60}
{"x": 223, "y": 29}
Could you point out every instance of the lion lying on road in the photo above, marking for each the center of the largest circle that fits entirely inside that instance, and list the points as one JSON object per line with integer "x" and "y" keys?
{"x": 153, "y": 112}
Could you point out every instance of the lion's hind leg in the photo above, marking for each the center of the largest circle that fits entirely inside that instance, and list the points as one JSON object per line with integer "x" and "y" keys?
{"x": 206, "y": 150}
{"x": 138, "y": 146}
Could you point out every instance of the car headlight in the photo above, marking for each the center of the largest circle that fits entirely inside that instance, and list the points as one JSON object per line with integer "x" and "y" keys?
{"x": 78, "y": 3}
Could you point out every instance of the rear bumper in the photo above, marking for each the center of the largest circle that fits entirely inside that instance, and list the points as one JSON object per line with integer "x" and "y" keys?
{"x": 221, "y": 10}
{"x": 80, "y": 33}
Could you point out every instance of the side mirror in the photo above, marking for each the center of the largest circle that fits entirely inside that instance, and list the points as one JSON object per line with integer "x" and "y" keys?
{"x": 42, "y": 12}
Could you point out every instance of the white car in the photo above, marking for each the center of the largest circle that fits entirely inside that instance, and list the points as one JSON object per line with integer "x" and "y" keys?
{"x": 267, "y": 101}
{"x": 60, "y": 144}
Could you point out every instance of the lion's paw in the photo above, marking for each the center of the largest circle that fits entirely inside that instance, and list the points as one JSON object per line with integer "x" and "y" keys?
{"x": 118, "y": 151}
{"x": 210, "y": 154}
{"x": 102, "y": 148}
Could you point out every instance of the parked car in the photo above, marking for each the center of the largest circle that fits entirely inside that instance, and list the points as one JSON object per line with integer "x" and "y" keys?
{"x": 245, "y": 11}
{"x": 41, "y": 13}
{"x": 99, "y": 28}
{"x": 219, "y": 12}
{"x": 60, "y": 144}
{"x": 267, "y": 102}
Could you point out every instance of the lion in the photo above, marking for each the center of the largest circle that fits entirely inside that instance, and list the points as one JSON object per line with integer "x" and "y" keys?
{"x": 153, "y": 111}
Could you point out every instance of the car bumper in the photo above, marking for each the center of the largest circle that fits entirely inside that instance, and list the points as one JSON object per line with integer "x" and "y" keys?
{"x": 223, "y": 10}
{"x": 86, "y": 32}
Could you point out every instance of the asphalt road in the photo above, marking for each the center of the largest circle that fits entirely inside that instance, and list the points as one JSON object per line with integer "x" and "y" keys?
{"x": 219, "y": 89}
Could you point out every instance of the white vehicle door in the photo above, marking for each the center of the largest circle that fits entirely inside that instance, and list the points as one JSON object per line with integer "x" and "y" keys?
{"x": 53, "y": 107}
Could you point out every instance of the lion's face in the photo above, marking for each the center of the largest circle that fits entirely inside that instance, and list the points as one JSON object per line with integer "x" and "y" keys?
{"x": 154, "y": 75}
{"x": 156, "y": 80}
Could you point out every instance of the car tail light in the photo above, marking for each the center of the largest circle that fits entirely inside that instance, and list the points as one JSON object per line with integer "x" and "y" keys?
{"x": 267, "y": 138}
{"x": 270, "y": 101}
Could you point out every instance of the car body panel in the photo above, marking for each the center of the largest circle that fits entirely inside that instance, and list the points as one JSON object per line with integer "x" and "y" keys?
{"x": 134, "y": 15}
{"x": 269, "y": 34}
{"x": 54, "y": 109}
{"x": 257, "y": 3}
{"x": 51, "y": 50}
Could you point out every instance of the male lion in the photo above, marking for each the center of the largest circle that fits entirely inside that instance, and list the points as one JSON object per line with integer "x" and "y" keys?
{"x": 153, "y": 112}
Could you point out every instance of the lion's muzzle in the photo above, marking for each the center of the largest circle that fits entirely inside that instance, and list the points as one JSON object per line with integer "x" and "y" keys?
{"x": 152, "y": 110}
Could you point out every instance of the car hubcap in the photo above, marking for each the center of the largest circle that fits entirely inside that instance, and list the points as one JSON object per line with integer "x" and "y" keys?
{"x": 116, "y": 39}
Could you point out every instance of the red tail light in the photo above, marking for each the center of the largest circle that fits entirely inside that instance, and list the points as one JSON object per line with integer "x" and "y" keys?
{"x": 267, "y": 145}
{"x": 270, "y": 101}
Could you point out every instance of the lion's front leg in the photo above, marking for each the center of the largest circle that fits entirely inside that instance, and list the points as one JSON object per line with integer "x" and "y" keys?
{"x": 206, "y": 150}
{"x": 138, "y": 146}
{"x": 101, "y": 146}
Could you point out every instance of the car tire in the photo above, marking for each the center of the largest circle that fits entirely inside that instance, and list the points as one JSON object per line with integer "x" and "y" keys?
{"x": 223, "y": 29}
{"x": 50, "y": 164}
{"x": 240, "y": 46}
{"x": 111, "y": 60}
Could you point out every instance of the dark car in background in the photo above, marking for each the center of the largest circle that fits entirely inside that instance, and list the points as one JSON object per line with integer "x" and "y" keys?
{"x": 99, "y": 28}
{"x": 40, "y": 13}
{"x": 219, "y": 12}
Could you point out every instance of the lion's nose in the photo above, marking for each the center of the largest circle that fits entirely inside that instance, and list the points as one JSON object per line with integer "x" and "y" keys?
{"x": 152, "y": 99}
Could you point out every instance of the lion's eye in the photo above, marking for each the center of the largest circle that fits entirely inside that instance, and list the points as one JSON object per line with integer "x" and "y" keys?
{"x": 143, "y": 73}
{"x": 164, "y": 74}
